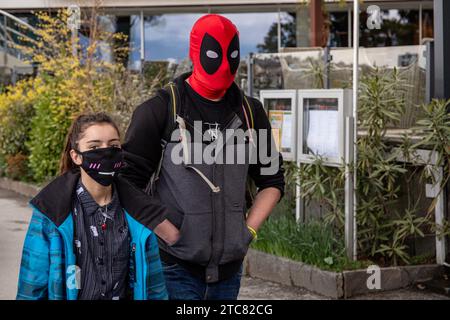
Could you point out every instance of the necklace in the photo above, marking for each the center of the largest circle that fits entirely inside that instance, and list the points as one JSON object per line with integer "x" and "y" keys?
{"x": 105, "y": 217}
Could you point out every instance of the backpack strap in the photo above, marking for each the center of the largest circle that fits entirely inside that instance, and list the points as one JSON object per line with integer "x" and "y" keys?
{"x": 171, "y": 120}
{"x": 246, "y": 106}
{"x": 250, "y": 188}
{"x": 248, "y": 115}
{"x": 171, "y": 123}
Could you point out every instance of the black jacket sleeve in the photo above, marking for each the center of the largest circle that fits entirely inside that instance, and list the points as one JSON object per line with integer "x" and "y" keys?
{"x": 261, "y": 179}
{"x": 147, "y": 210}
{"x": 142, "y": 145}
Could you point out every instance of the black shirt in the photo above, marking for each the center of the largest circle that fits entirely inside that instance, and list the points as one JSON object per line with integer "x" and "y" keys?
{"x": 213, "y": 114}
{"x": 101, "y": 247}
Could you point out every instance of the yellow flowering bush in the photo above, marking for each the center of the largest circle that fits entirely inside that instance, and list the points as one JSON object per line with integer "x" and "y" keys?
{"x": 16, "y": 112}
{"x": 35, "y": 114}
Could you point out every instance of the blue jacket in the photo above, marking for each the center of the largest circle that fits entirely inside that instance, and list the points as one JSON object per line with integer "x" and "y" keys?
{"x": 48, "y": 268}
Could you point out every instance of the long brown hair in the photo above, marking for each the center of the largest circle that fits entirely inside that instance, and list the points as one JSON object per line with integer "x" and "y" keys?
{"x": 78, "y": 127}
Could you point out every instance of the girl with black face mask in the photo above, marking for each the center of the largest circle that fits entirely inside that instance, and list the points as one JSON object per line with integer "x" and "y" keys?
{"x": 90, "y": 236}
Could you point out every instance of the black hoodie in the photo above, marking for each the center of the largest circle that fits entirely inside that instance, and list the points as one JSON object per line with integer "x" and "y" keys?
{"x": 142, "y": 147}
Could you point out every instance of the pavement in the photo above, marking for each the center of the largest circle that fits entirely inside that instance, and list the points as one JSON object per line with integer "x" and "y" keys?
{"x": 15, "y": 216}
{"x": 257, "y": 289}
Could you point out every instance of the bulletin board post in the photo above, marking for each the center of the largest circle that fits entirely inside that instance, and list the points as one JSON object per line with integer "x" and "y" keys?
{"x": 325, "y": 130}
{"x": 350, "y": 211}
{"x": 349, "y": 191}
{"x": 311, "y": 123}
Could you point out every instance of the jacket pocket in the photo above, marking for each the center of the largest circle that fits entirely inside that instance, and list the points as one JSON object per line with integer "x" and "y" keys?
{"x": 194, "y": 244}
{"x": 180, "y": 230}
{"x": 237, "y": 237}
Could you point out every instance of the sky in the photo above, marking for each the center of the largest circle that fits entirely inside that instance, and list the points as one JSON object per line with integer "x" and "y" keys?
{"x": 169, "y": 38}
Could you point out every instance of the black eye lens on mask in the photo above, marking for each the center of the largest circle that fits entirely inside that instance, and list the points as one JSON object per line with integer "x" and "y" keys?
{"x": 233, "y": 61}
{"x": 210, "y": 54}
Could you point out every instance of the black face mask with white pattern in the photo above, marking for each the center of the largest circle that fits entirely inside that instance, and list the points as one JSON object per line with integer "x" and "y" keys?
{"x": 103, "y": 164}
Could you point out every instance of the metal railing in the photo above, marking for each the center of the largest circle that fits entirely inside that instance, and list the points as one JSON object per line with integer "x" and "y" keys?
{"x": 12, "y": 35}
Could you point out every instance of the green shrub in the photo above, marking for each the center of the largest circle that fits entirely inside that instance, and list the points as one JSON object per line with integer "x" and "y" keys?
{"x": 3, "y": 165}
{"x": 46, "y": 140}
{"x": 313, "y": 242}
{"x": 387, "y": 223}
{"x": 16, "y": 112}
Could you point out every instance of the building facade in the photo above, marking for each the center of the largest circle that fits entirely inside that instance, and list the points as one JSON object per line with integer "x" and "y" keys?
{"x": 158, "y": 30}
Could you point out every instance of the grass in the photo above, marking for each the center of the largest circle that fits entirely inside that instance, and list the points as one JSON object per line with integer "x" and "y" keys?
{"x": 312, "y": 243}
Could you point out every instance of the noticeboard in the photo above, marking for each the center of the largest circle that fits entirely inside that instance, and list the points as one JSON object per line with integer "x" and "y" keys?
{"x": 281, "y": 106}
{"x": 321, "y": 131}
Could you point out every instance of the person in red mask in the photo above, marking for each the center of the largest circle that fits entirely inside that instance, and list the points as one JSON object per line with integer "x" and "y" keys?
{"x": 209, "y": 225}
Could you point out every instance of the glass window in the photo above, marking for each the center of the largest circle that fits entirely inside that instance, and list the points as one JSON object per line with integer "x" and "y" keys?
{"x": 288, "y": 25}
{"x": 338, "y": 29}
{"x": 427, "y": 24}
{"x": 320, "y": 127}
{"x": 134, "y": 59}
{"x": 398, "y": 28}
{"x": 258, "y": 32}
{"x": 280, "y": 116}
{"x": 167, "y": 36}
{"x": 104, "y": 50}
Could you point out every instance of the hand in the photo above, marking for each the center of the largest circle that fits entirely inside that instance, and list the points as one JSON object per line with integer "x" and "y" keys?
{"x": 263, "y": 205}
{"x": 173, "y": 237}
{"x": 168, "y": 232}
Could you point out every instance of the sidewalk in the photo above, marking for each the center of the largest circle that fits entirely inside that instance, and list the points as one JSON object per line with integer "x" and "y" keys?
{"x": 256, "y": 289}
{"x": 15, "y": 215}
{"x": 14, "y": 218}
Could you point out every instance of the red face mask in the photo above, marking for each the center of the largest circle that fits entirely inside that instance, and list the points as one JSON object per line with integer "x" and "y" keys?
{"x": 214, "y": 51}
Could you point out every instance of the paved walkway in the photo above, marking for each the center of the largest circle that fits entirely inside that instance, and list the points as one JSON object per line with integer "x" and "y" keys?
{"x": 257, "y": 289}
{"x": 15, "y": 215}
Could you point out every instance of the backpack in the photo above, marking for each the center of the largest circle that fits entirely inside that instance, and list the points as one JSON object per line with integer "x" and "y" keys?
{"x": 175, "y": 106}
